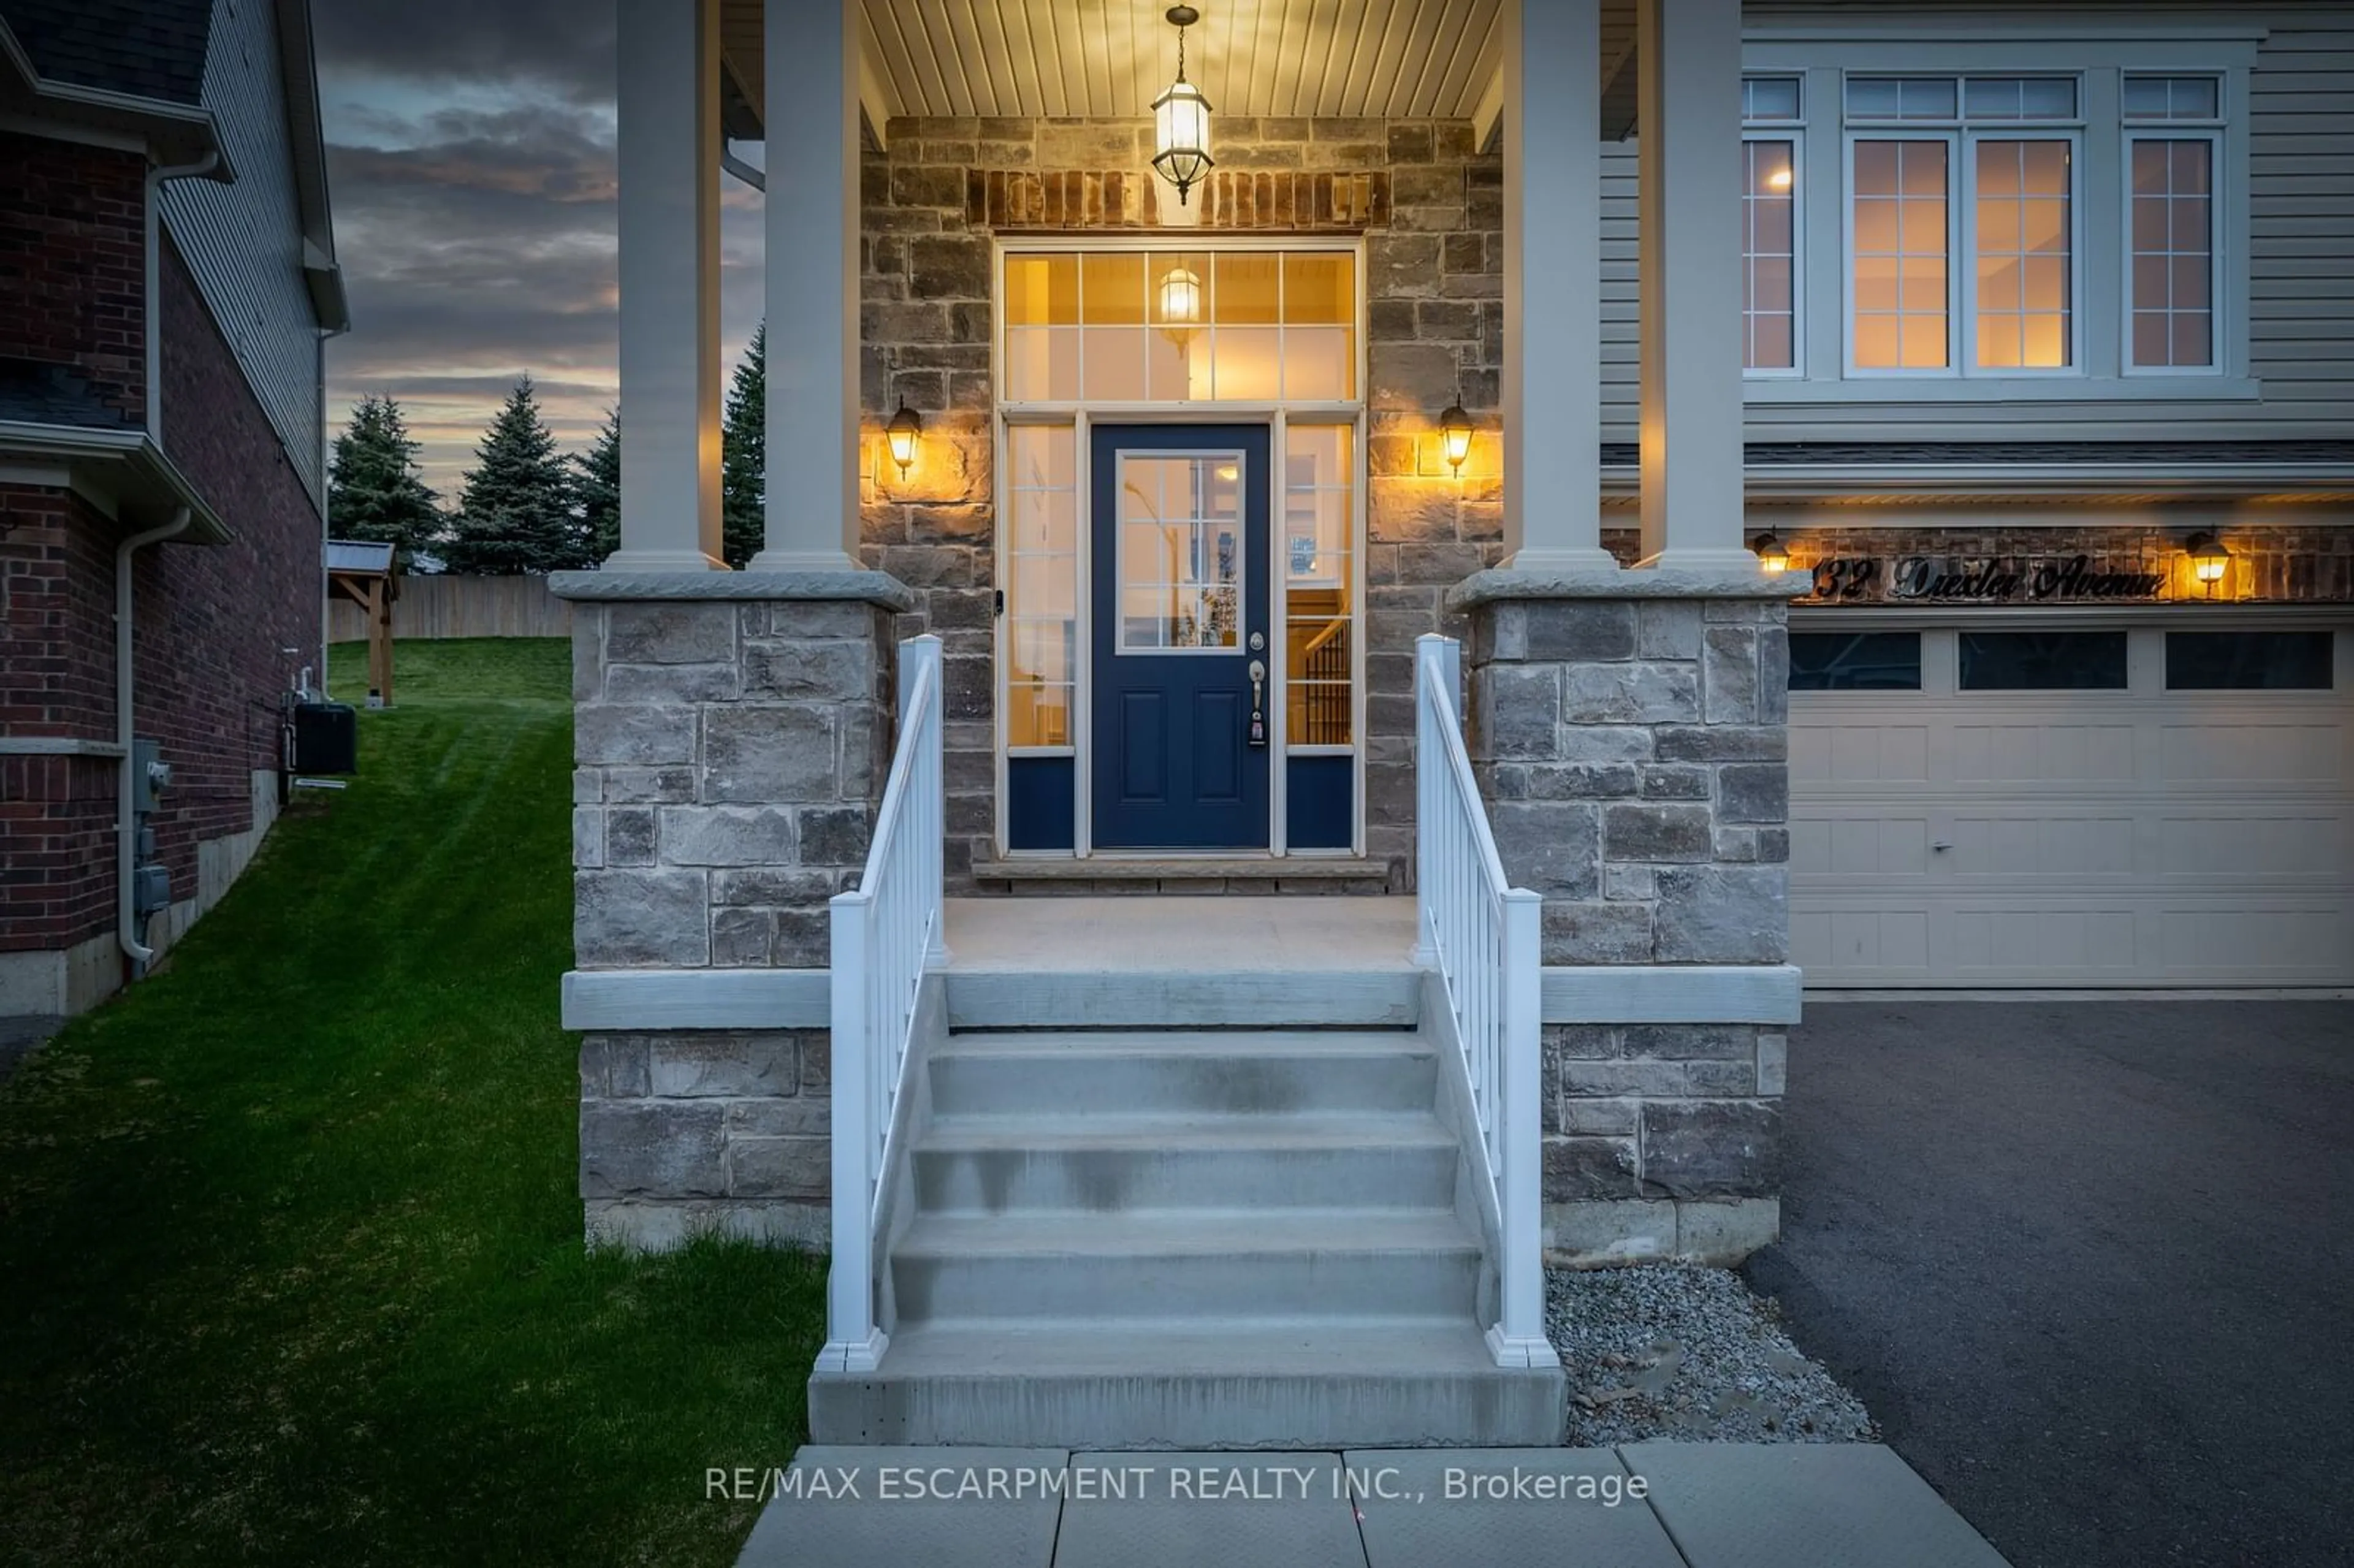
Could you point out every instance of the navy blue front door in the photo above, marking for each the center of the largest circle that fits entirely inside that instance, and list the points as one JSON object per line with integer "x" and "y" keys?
{"x": 1178, "y": 528}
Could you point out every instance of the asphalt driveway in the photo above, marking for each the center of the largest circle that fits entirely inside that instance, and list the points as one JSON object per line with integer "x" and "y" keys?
{"x": 2090, "y": 1264}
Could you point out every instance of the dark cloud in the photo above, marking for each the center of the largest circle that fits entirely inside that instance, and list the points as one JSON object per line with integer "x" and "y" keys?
{"x": 566, "y": 44}
{"x": 472, "y": 161}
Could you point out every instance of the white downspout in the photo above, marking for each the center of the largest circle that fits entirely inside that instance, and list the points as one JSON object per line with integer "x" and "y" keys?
{"x": 126, "y": 827}
{"x": 126, "y": 842}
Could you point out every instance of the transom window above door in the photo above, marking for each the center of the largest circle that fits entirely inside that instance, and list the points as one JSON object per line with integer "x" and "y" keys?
{"x": 1180, "y": 326}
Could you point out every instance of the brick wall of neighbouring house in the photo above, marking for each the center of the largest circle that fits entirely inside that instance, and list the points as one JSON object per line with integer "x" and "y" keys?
{"x": 220, "y": 631}
{"x": 1431, "y": 210}
{"x": 73, "y": 264}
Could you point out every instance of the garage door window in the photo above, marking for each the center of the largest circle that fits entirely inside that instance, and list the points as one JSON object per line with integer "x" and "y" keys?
{"x": 2247, "y": 660}
{"x": 1855, "y": 662}
{"x": 2043, "y": 661}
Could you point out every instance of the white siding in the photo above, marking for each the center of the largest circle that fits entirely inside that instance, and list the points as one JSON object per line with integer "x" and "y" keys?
{"x": 244, "y": 241}
{"x": 2299, "y": 136}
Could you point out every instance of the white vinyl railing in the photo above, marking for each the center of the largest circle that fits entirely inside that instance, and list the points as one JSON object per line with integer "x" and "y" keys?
{"x": 1481, "y": 936}
{"x": 886, "y": 936}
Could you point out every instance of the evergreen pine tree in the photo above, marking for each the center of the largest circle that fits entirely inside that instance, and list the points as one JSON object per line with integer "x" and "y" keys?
{"x": 374, "y": 490}
{"x": 597, "y": 487}
{"x": 514, "y": 509}
{"x": 744, "y": 454}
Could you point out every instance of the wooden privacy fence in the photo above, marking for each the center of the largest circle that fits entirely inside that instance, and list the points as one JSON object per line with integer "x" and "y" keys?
{"x": 461, "y": 607}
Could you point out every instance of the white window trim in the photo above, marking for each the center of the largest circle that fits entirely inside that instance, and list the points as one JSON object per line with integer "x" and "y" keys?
{"x": 2218, "y": 203}
{"x": 2100, "y": 56}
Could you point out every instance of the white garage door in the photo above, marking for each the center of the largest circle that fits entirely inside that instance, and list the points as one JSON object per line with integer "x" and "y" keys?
{"x": 2017, "y": 804}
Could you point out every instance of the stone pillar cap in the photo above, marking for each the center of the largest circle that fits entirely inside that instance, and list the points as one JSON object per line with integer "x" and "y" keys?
{"x": 1634, "y": 582}
{"x": 872, "y": 587}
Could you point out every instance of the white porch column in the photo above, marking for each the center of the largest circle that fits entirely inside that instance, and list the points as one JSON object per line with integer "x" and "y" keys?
{"x": 669, "y": 169}
{"x": 1553, "y": 282}
{"x": 1687, "y": 59}
{"x": 811, "y": 118}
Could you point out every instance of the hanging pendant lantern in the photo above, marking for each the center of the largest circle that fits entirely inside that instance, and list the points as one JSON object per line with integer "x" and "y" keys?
{"x": 1180, "y": 119}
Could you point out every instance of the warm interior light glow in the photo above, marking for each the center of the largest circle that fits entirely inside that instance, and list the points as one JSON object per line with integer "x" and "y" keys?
{"x": 1772, "y": 553}
{"x": 1778, "y": 180}
{"x": 1181, "y": 297}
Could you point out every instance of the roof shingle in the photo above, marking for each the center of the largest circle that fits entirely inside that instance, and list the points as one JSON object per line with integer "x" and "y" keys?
{"x": 147, "y": 48}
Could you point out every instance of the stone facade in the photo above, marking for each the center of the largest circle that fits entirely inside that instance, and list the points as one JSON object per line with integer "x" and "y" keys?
{"x": 729, "y": 758}
{"x": 1634, "y": 757}
{"x": 2272, "y": 563}
{"x": 1431, "y": 210}
{"x": 713, "y": 1129}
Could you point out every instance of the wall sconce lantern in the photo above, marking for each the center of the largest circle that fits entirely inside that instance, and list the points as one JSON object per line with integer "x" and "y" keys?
{"x": 1772, "y": 553}
{"x": 1180, "y": 119}
{"x": 1455, "y": 435}
{"x": 905, "y": 427}
{"x": 2209, "y": 559}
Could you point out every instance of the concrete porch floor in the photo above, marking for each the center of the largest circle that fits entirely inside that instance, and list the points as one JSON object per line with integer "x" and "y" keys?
{"x": 1223, "y": 934}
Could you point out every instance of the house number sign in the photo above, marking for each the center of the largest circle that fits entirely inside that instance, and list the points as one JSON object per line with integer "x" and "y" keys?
{"x": 1994, "y": 579}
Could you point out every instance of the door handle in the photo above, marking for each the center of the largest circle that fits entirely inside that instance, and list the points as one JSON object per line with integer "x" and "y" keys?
{"x": 1258, "y": 703}
{"x": 1941, "y": 844}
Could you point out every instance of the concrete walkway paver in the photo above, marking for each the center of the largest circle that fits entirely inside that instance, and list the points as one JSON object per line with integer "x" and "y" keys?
{"x": 1573, "y": 1506}
{"x": 1827, "y": 1505}
{"x": 1703, "y": 1505}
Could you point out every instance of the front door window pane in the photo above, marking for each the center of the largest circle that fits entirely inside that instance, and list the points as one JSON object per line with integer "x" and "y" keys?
{"x": 1319, "y": 512}
{"x": 1041, "y": 583}
{"x": 1899, "y": 249}
{"x": 1181, "y": 551}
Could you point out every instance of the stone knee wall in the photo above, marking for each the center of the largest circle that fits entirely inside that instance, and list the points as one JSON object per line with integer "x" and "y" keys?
{"x": 1661, "y": 1141}
{"x": 1634, "y": 757}
{"x": 720, "y": 1131}
{"x": 730, "y": 756}
{"x": 729, "y": 760}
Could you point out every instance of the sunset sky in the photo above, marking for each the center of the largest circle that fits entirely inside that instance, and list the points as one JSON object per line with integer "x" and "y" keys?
{"x": 470, "y": 146}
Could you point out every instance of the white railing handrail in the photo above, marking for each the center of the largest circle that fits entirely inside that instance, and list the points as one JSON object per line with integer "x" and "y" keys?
{"x": 886, "y": 934}
{"x": 1483, "y": 937}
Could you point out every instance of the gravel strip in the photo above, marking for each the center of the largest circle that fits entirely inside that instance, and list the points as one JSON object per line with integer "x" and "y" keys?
{"x": 1684, "y": 1352}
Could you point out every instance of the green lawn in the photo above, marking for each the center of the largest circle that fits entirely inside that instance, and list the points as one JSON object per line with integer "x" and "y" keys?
{"x": 291, "y": 1267}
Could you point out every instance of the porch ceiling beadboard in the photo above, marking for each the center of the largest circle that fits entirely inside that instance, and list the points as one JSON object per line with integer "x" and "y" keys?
{"x": 1380, "y": 58}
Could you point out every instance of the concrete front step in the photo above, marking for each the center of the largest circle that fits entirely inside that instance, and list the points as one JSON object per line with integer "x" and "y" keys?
{"x": 1175, "y": 1385}
{"x": 1000, "y": 1164}
{"x": 1174, "y": 1071}
{"x": 1153, "y": 999}
{"x": 1207, "y": 1265}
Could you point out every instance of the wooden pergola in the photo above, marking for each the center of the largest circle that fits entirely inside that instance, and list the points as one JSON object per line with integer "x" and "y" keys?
{"x": 368, "y": 573}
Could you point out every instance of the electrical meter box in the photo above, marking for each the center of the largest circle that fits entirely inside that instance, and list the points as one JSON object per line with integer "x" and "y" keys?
{"x": 326, "y": 738}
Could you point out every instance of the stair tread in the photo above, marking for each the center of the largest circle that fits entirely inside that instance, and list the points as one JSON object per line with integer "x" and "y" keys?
{"x": 1184, "y": 1130}
{"x": 1240, "y": 1347}
{"x": 1252, "y": 1043}
{"x": 1176, "y": 1233}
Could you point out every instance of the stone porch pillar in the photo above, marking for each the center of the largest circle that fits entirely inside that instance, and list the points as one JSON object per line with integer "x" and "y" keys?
{"x": 668, "y": 103}
{"x": 1628, "y": 735}
{"x": 731, "y": 737}
{"x": 811, "y": 260}
{"x": 1552, "y": 278}
{"x": 1688, "y": 72}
